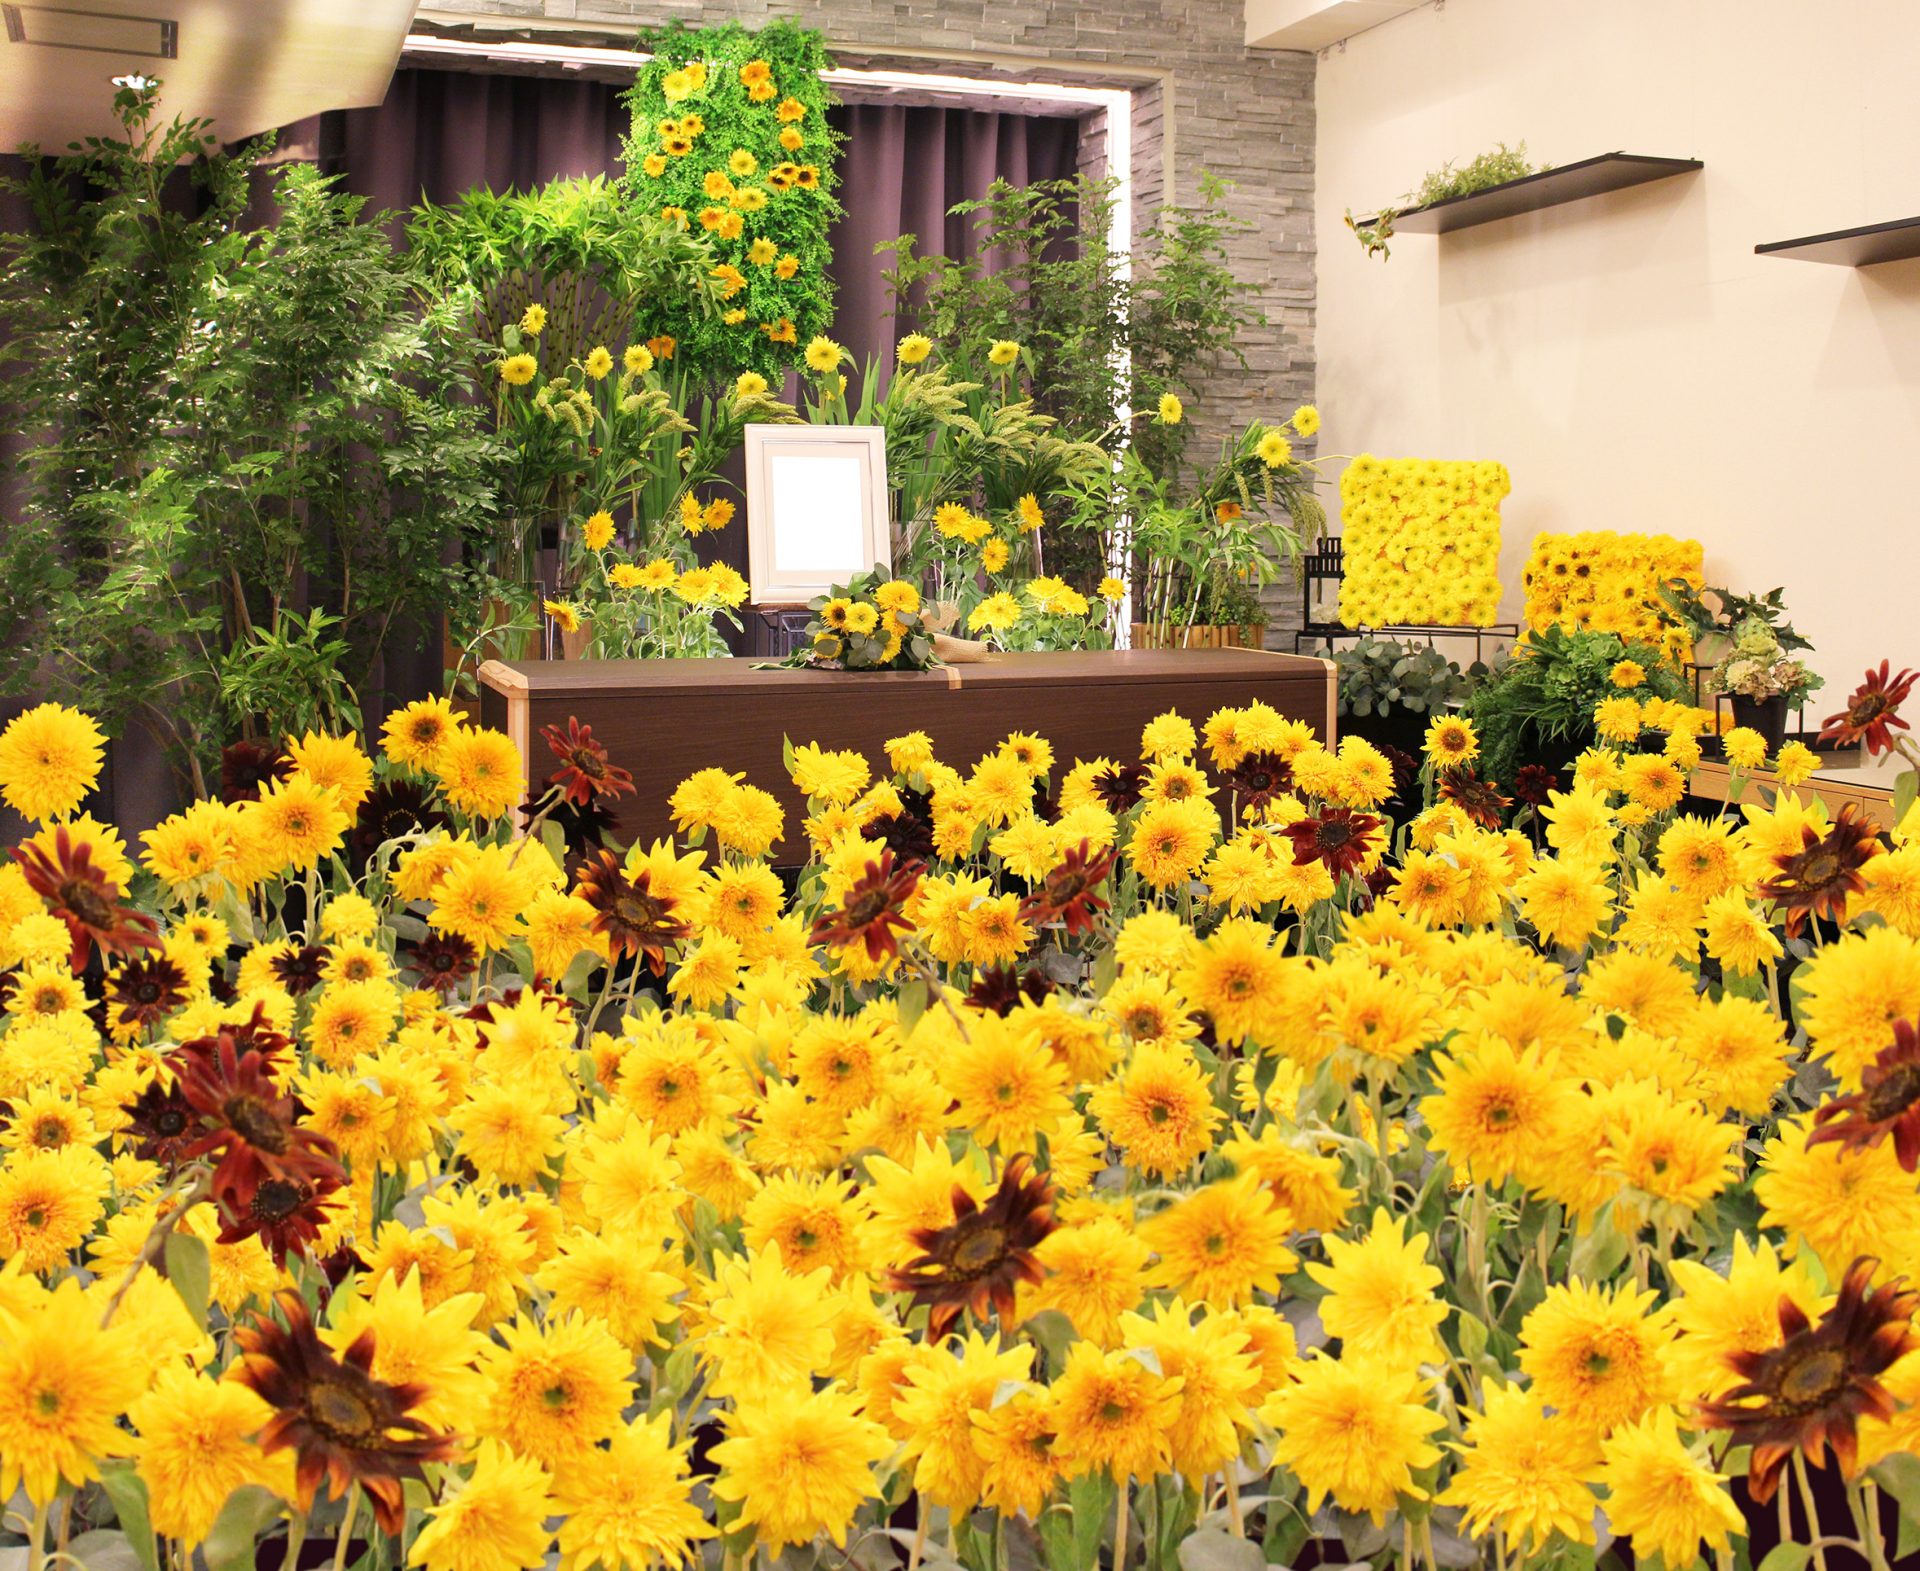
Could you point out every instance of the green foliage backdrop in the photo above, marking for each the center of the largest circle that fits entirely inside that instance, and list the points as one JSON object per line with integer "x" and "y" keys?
{"x": 730, "y": 130}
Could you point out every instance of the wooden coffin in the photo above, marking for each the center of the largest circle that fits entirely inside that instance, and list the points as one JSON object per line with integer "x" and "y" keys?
{"x": 663, "y": 719}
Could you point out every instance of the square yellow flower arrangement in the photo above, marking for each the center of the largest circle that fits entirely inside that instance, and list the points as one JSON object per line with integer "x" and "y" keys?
{"x": 1422, "y": 541}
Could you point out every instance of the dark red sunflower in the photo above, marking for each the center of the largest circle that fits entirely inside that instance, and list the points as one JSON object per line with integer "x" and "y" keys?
{"x": 442, "y": 961}
{"x": 1121, "y": 787}
{"x": 1339, "y": 837}
{"x": 245, "y": 767}
{"x": 871, "y": 915}
{"x": 1479, "y": 799}
{"x": 342, "y": 1424}
{"x": 300, "y": 970}
{"x": 585, "y": 827}
{"x": 147, "y": 990}
{"x": 1070, "y": 893}
{"x": 1819, "y": 878}
{"x": 393, "y": 809}
{"x": 162, "y": 1123}
{"x": 978, "y": 1260}
{"x": 585, "y": 772}
{"x": 1887, "y": 1103}
{"x": 1001, "y": 989}
{"x": 285, "y": 1214}
{"x": 247, "y": 1123}
{"x": 1534, "y": 784}
{"x": 83, "y": 897}
{"x": 1870, "y": 716}
{"x": 1256, "y": 780}
{"x": 909, "y": 833}
{"x": 1809, "y": 1393}
{"x": 632, "y": 918}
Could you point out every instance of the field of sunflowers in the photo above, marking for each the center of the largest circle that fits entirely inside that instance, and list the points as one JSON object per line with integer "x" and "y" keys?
{"x": 1169, "y": 1161}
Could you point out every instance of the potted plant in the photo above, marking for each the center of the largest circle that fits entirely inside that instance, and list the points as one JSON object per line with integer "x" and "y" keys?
{"x": 1709, "y": 616}
{"x": 1389, "y": 691}
{"x": 1763, "y": 681}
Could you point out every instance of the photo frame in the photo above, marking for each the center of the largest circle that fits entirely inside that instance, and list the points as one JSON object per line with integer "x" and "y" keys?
{"x": 816, "y": 509}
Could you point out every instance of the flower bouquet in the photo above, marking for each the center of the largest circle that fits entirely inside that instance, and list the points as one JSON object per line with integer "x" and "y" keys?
{"x": 874, "y": 623}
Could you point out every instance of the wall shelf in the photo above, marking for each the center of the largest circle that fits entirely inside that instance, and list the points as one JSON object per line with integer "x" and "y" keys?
{"x": 1895, "y": 241}
{"x": 1530, "y": 193}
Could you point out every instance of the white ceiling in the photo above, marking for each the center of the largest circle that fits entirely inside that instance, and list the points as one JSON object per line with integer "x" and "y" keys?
{"x": 248, "y": 65}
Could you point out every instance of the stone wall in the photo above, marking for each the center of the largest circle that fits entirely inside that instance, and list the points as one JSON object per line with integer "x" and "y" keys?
{"x": 1202, "y": 101}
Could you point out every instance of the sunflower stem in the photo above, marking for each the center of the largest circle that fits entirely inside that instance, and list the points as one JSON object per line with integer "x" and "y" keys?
{"x": 189, "y": 1195}
{"x": 37, "y": 1536}
{"x": 1864, "y": 1497}
{"x": 1812, "y": 1508}
{"x": 296, "y": 1536}
{"x": 346, "y": 1528}
{"x": 925, "y": 1519}
{"x": 1235, "y": 1519}
{"x": 1120, "y": 1526}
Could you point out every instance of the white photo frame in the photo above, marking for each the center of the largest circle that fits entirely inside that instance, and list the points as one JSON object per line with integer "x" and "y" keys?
{"x": 816, "y": 509}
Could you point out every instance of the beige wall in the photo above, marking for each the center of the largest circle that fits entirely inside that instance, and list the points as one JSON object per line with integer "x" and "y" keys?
{"x": 1629, "y": 357}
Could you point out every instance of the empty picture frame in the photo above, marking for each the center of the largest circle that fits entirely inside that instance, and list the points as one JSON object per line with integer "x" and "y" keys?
{"x": 816, "y": 508}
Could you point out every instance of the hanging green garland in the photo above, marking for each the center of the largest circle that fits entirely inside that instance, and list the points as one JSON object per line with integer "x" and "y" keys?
{"x": 730, "y": 139}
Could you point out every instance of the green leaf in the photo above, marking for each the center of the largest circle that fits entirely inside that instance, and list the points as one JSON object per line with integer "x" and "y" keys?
{"x": 189, "y": 1267}
{"x": 128, "y": 1492}
{"x": 1905, "y": 789}
{"x": 232, "y": 1542}
{"x": 1786, "y": 1557}
{"x": 1213, "y": 1549}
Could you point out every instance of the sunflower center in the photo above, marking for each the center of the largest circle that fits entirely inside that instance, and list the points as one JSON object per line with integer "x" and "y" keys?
{"x": 557, "y": 1396}
{"x": 254, "y": 1122}
{"x": 1894, "y": 1094}
{"x": 1821, "y": 869}
{"x": 47, "y": 1402}
{"x": 170, "y": 1123}
{"x": 1598, "y": 1364}
{"x": 979, "y": 1249}
{"x": 36, "y": 1217}
{"x": 1112, "y": 1412}
{"x": 85, "y": 901}
{"x": 1815, "y": 1378}
{"x": 339, "y": 1412}
{"x": 277, "y": 1199}
{"x": 49, "y": 1132}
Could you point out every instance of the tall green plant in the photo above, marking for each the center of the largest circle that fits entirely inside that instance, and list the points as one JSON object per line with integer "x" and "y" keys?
{"x": 1101, "y": 331}
{"x": 226, "y": 428}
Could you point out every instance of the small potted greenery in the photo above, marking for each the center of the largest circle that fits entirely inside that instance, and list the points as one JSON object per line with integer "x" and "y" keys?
{"x": 1763, "y": 680}
{"x": 1709, "y": 616}
{"x": 1389, "y": 691}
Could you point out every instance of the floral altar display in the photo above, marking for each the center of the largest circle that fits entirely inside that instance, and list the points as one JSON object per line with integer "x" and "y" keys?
{"x": 1159, "y": 1159}
{"x": 1421, "y": 542}
{"x": 1610, "y": 582}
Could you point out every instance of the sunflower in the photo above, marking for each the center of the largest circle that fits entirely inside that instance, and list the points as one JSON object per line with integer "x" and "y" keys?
{"x": 1223, "y": 1243}
{"x": 1596, "y": 1356}
{"x": 1820, "y": 877}
{"x": 629, "y": 1504}
{"x": 1523, "y": 1474}
{"x": 50, "y": 757}
{"x": 342, "y": 1424}
{"x": 976, "y": 1261}
{"x": 1380, "y": 1298}
{"x": 1355, "y": 1430}
{"x": 480, "y": 772}
{"x": 585, "y": 772}
{"x": 1809, "y": 1393}
{"x": 633, "y": 918}
{"x": 871, "y": 915}
{"x": 1158, "y": 1110}
{"x": 64, "y": 1382}
{"x": 1451, "y": 740}
{"x": 1871, "y": 713}
{"x": 1339, "y": 839}
{"x": 558, "y": 1389}
{"x": 1114, "y": 1415}
{"x": 196, "y": 1447}
{"x": 68, "y": 878}
{"x": 799, "y": 1467}
{"x": 1887, "y": 1103}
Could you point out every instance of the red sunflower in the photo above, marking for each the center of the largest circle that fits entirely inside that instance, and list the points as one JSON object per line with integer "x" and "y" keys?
{"x": 585, "y": 773}
{"x": 1070, "y": 893}
{"x": 1339, "y": 837}
{"x": 83, "y": 897}
{"x": 342, "y": 1424}
{"x": 1819, "y": 878}
{"x": 978, "y": 1260}
{"x": 1808, "y": 1394}
{"x": 871, "y": 915}
{"x": 632, "y": 918}
{"x": 1887, "y": 1103}
{"x": 1871, "y": 712}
